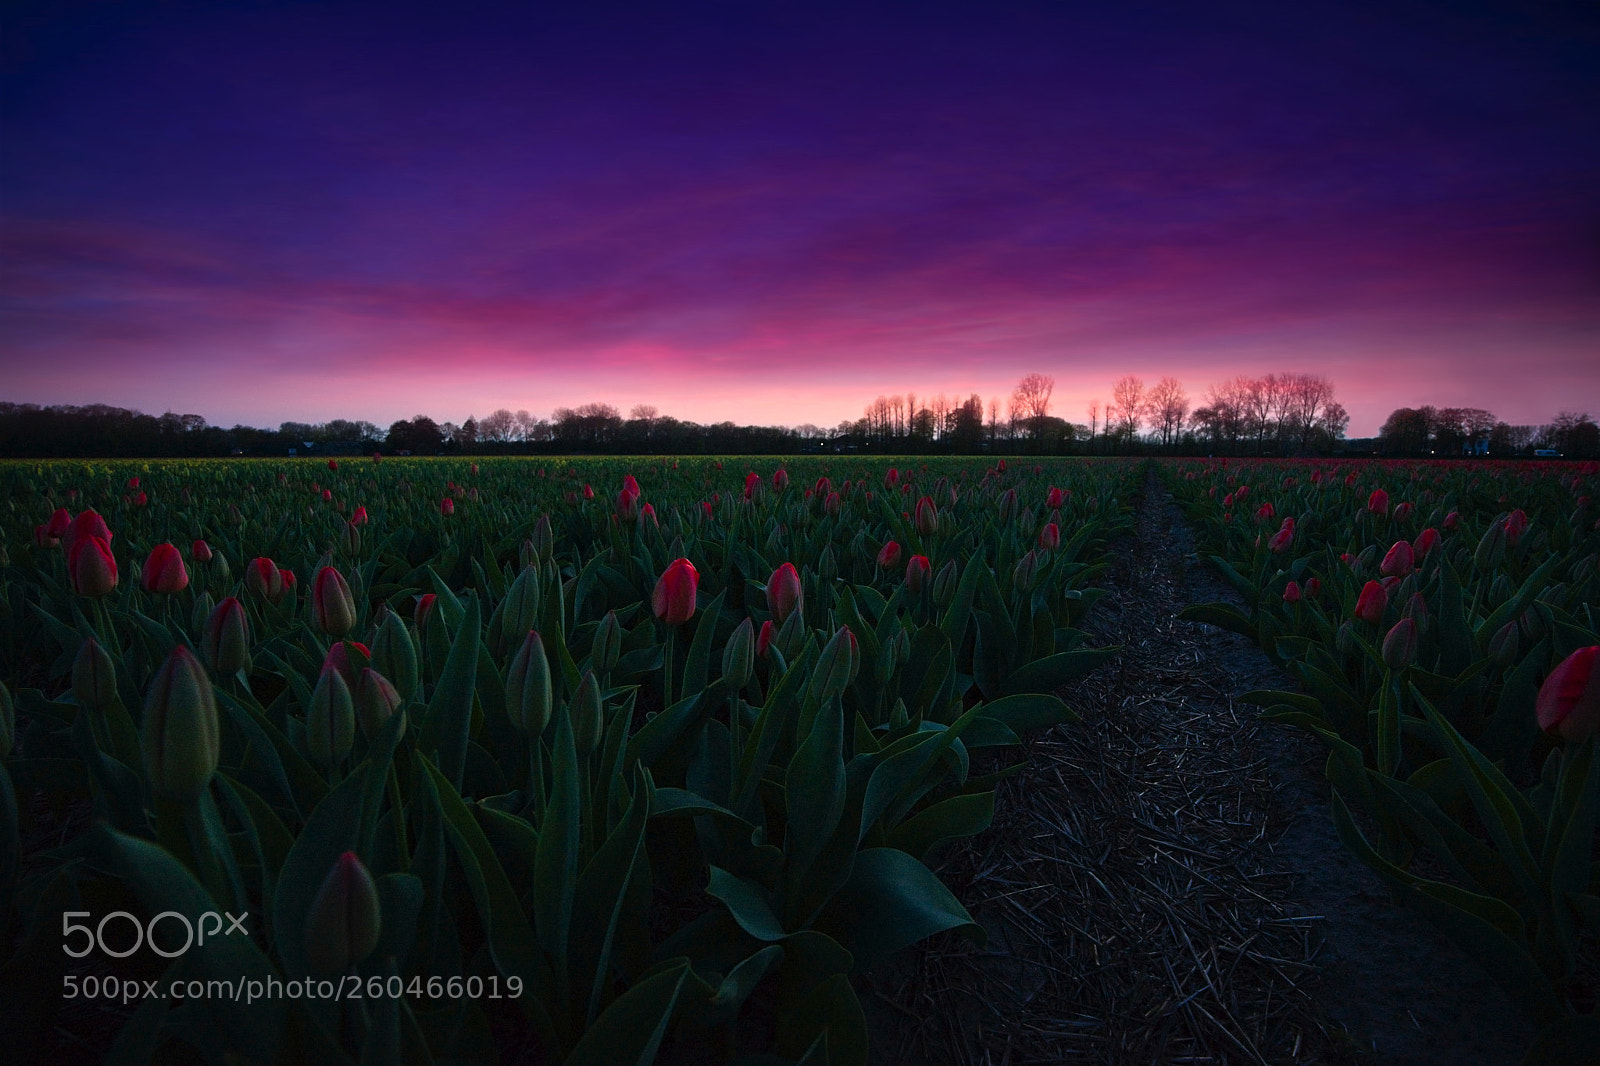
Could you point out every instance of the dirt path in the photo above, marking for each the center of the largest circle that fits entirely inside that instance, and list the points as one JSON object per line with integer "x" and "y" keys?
{"x": 1162, "y": 883}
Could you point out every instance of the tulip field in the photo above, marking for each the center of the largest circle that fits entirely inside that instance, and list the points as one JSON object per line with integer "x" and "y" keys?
{"x": 616, "y": 761}
{"x": 1442, "y": 621}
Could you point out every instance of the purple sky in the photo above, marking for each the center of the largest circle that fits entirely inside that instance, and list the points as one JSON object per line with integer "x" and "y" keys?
{"x": 772, "y": 213}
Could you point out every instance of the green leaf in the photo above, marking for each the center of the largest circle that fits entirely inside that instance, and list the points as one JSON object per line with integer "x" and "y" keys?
{"x": 828, "y": 1020}
{"x": 631, "y": 1029}
{"x": 555, "y": 873}
{"x": 448, "y": 721}
{"x": 747, "y": 903}
{"x": 958, "y": 816}
{"x": 333, "y": 828}
{"x": 890, "y": 902}
{"x": 815, "y": 790}
{"x": 1026, "y": 712}
{"x": 600, "y": 908}
{"x": 697, "y": 667}
{"x": 1222, "y": 615}
{"x": 1050, "y": 673}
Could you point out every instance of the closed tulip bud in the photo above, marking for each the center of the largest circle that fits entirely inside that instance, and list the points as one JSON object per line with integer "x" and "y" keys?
{"x": 359, "y": 518}
{"x": 350, "y": 539}
{"x": 1054, "y": 498}
{"x": 180, "y": 739}
{"x": 1291, "y": 592}
{"x": 901, "y": 648}
{"x": 1399, "y": 561}
{"x": 1569, "y": 699}
{"x": 394, "y": 654}
{"x": 945, "y": 582}
{"x": 204, "y": 603}
{"x": 94, "y": 676}
{"x": 92, "y": 567}
{"x": 331, "y": 718}
{"x": 8, "y": 722}
{"x": 1503, "y": 646}
{"x": 87, "y": 524}
{"x": 831, "y": 503}
{"x": 827, "y": 566}
{"x": 1050, "y": 536}
{"x": 60, "y": 522}
{"x": 891, "y": 479}
{"x": 1025, "y": 572}
{"x": 349, "y": 657}
{"x": 927, "y": 517}
{"x": 1378, "y": 502}
{"x": 1007, "y": 507}
{"x": 1426, "y": 541}
{"x": 424, "y": 610}
{"x": 528, "y": 698}
{"x": 889, "y": 555}
{"x": 917, "y": 570}
{"x": 831, "y": 675}
{"x": 345, "y": 919}
{"x": 1313, "y": 587}
{"x": 791, "y": 637}
{"x": 1516, "y": 524}
{"x": 739, "y": 656}
{"x": 1281, "y": 541}
{"x": 1372, "y": 603}
{"x": 764, "y": 639}
{"x": 1350, "y": 561}
{"x": 376, "y": 700}
{"x": 1451, "y": 521}
{"x": 264, "y": 579}
{"x": 1400, "y": 645}
{"x": 225, "y": 641}
{"x": 200, "y": 552}
{"x": 163, "y": 570}
{"x": 673, "y": 599}
{"x": 607, "y": 644}
{"x": 1491, "y": 548}
{"x": 1403, "y": 512}
{"x": 780, "y": 479}
{"x": 785, "y": 594}
{"x": 588, "y": 714}
{"x": 331, "y": 604}
{"x": 520, "y": 612}
{"x": 42, "y": 537}
{"x": 543, "y": 538}
{"x": 1345, "y": 639}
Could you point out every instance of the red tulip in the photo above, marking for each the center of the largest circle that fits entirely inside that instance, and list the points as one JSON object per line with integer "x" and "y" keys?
{"x": 649, "y": 511}
{"x": 673, "y": 598}
{"x": 1050, "y": 536}
{"x": 424, "y": 609}
{"x": 42, "y": 537}
{"x": 889, "y": 555}
{"x": 917, "y": 568}
{"x": 59, "y": 523}
{"x": 1291, "y": 592}
{"x": 332, "y": 606}
{"x": 891, "y": 479}
{"x": 1055, "y": 499}
{"x": 627, "y": 505}
{"x": 832, "y": 503}
{"x": 1265, "y": 511}
{"x": 133, "y": 482}
{"x": 338, "y": 658}
{"x": 1426, "y": 541}
{"x": 1516, "y": 523}
{"x": 140, "y": 500}
{"x": 1370, "y": 606}
{"x": 764, "y": 639}
{"x": 1400, "y": 645}
{"x": 92, "y": 567}
{"x": 360, "y": 517}
{"x": 752, "y": 482}
{"x": 333, "y": 464}
{"x": 1569, "y": 699}
{"x": 1378, "y": 502}
{"x": 1281, "y": 541}
{"x": 588, "y": 492}
{"x": 447, "y": 506}
{"x": 87, "y": 524}
{"x": 200, "y": 552}
{"x": 784, "y": 593}
{"x": 1399, "y": 562}
{"x": 327, "y": 494}
{"x": 1313, "y": 587}
{"x": 927, "y": 519}
{"x": 264, "y": 578}
{"x": 780, "y": 479}
{"x": 705, "y": 507}
{"x": 1451, "y": 521}
{"x": 630, "y": 484}
{"x": 163, "y": 570}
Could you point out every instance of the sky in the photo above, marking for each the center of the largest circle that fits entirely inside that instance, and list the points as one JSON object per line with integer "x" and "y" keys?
{"x": 771, "y": 213}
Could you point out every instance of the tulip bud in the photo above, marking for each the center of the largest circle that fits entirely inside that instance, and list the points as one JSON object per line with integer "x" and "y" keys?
{"x": 180, "y": 737}
{"x": 1007, "y": 507}
{"x": 60, "y": 522}
{"x": 833, "y": 670}
{"x": 764, "y": 639}
{"x": 607, "y": 644}
{"x": 543, "y": 539}
{"x": 394, "y": 654}
{"x": 791, "y": 637}
{"x": 673, "y": 599}
{"x": 917, "y": 570}
{"x": 927, "y": 517}
{"x": 1426, "y": 541}
{"x": 1400, "y": 645}
{"x": 588, "y": 715}
{"x": 1345, "y": 639}
{"x": 1378, "y": 502}
{"x": 1516, "y": 523}
{"x": 263, "y": 578}
{"x": 91, "y": 566}
{"x": 331, "y": 718}
{"x": 163, "y": 570}
{"x": 1281, "y": 541}
{"x": 345, "y": 919}
{"x": 1050, "y": 536}
{"x": 738, "y": 657}
{"x": 87, "y": 524}
{"x": 1569, "y": 699}
{"x": 1372, "y": 603}
{"x": 332, "y": 607}
{"x": 785, "y": 593}
{"x": 94, "y": 676}
{"x": 1399, "y": 561}
{"x": 204, "y": 604}
{"x": 1026, "y": 571}
{"x": 1313, "y": 588}
{"x": 827, "y": 566}
{"x": 1503, "y": 646}
{"x": 1291, "y": 592}
{"x": 200, "y": 552}
{"x": 889, "y": 555}
{"x": 528, "y": 698}
{"x": 944, "y": 584}
{"x": 225, "y": 640}
{"x": 350, "y": 539}
{"x": 375, "y": 700}
{"x": 1491, "y": 548}
{"x": 520, "y": 612}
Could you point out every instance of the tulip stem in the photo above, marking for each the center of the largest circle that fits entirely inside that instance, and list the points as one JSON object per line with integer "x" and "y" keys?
{"x": 667, "y": 667}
